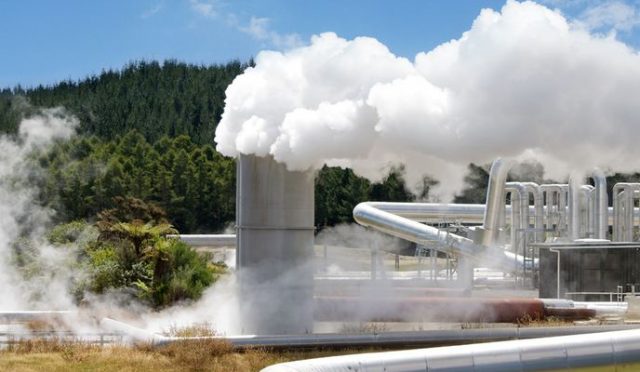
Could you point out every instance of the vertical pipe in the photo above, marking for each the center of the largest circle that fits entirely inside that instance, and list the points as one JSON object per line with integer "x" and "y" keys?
{"x": 575, "y": 183}
{"x": 519, "y": 221}
{"x": 587, "y": 219}
{"x": 593, "y": 222}
{"x": 563, "y": 225}
{"x": 515, "y": 216}
{"x": 519, "y": 208}
{"x": 628, "y": 215}
{"x": 602, "y": 203}
{"x": 551, "y": 195}
{"x": 618, "y": 189}
{"x": 624, "y": 195}
{"x": 495, "y": 202}
{"x": 536, "y": 191}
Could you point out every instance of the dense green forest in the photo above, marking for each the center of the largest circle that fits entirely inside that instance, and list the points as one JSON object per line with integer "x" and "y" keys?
{"x": 147, "y": 132}
{"x": 155, "y": 99}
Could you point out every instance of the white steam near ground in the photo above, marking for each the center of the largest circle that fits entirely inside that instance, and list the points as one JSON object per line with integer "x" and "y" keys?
{"x": 45, "y": 283}
{"x": 524, "y": 82}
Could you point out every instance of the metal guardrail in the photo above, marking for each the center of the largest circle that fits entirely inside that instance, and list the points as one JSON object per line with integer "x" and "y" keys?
{"x": 101, "y": 339}
{"x": 613, "y": 296}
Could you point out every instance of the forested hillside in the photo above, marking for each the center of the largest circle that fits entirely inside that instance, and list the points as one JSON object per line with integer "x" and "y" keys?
{"x": 147, "y": 132}
{"x": 155, "y": 99}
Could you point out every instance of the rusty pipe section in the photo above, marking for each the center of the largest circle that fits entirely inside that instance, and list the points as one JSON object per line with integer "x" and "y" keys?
{"x": 447, "y": 309}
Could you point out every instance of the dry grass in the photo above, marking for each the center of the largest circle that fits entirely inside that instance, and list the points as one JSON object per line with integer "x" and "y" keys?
{"x": 364, "y": 327}
{"x": 550, "y": 321}
{"x": 196, "y": 330}
{"x": 188, "y": 355}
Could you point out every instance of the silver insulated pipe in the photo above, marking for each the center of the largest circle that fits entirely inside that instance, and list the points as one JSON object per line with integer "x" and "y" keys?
{"x": 372, "y": 215}
{"x": 519, "y": 214}
{"x": 601, "y": 223}
{"x": 488, "y": 234}
{"x": 538, "y": 203}
{"x": 275, "y": 225}
{"x": 624, "y": 195}
{"x": 482, "y": 249}
{"x": 617, "y": 349}
{"x": 602, "y": 204}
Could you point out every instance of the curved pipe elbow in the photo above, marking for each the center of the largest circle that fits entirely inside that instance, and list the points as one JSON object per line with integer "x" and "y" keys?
{"x": 495, "y": 200}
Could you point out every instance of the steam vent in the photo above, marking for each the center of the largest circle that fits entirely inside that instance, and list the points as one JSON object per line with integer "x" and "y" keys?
{"x": 275, "y": 211}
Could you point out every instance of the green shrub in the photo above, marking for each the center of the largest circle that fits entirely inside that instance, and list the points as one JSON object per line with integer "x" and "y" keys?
{"x": 78, "y": 232}
{"x": 105, "y": 269}
{"x": 135, "y": 257}
{"x": 187, "y": 277}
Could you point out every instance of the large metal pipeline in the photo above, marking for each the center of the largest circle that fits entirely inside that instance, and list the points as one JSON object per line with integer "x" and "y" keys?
{"x": 574, "y": 207}
{"x": 488, "y": 233}
{"x": 207, "y": 240}
{"x": 555, "y": 206}
{"x": 482, "y": 248}
{"x": 368, "y": 215}
{"x": 386, "y": 339}
{"x": 602, "y": 206}
{"x": 538, "y": 205}
{"x": 588, "y": 201}
{"x": 471, "y": 214}
{"x": 617, "y": 348}
{"x": 519, "y": 214}
{"x": 583, "y": 212}
{"x": 624, "y": 195}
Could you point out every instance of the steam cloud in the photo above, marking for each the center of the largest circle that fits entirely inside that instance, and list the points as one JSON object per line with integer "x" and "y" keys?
{"x": 46, "y": 285}
{"x": 524, "y": 82}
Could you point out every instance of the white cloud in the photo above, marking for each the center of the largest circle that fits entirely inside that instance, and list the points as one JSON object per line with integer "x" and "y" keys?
{"x": 564, "y": 4}
{"x": 259, "y": 28}
{"x": 600, "y": 15}
{"x": 615, "y": 15}
{"x": 204, "y": 8}
{"x": 148, "y": 13}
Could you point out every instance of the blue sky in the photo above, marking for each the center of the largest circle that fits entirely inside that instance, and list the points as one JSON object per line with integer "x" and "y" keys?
{"x": 47, "y": 41}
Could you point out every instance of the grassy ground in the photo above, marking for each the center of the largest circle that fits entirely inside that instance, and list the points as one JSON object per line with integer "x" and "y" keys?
{"x": 206, "y": 355}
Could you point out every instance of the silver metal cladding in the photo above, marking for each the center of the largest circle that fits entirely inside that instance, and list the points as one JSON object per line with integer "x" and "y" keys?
{"x": 275, "y": 225}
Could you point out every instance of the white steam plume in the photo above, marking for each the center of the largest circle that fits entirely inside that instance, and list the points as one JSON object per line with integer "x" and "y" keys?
{"x": 523, "y": 82}
{"x": 44, "y": 283}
